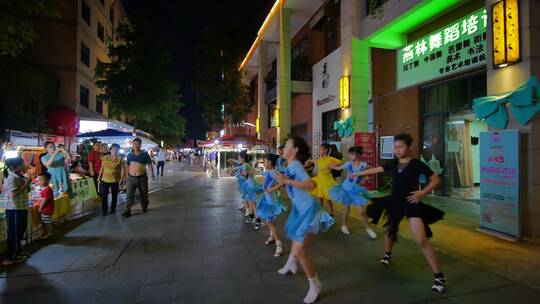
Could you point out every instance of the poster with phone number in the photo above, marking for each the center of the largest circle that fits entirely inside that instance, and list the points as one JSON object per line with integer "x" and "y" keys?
{"x": 366, "y": 140}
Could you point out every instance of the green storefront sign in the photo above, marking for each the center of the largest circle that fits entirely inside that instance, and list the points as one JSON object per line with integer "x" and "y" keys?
{"x": 458, "y": 47}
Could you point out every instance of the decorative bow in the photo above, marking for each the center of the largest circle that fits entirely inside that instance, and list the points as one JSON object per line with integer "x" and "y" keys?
{"x": 344, "y": 127}
{"x": 523, "y": 100}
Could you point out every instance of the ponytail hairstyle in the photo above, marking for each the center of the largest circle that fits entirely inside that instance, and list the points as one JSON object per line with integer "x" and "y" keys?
{"x": 302, "y": 155}
{"x": 356, "y": 150}
{"x": 272, "y": 158}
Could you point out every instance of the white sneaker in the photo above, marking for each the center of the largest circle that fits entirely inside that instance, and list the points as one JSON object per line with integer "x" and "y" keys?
{"x": 345, "y": 230}
{"x": 372, "y": 235}
{"x": 315, "y": 288}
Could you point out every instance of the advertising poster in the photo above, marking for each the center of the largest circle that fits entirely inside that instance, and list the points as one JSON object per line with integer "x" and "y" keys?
{"x": 499, "y": 182}
{"x": 387, "y": 147}
{"x": 366, "y": 140}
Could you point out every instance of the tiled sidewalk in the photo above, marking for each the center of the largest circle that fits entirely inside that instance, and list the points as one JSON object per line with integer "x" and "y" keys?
{"x": 193, "y": 247}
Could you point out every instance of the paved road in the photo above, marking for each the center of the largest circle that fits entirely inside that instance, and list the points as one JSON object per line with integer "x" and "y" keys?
{"x": 192, "y": 247}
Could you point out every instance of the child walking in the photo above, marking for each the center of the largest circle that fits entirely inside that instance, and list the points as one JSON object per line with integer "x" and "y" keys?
{"x": 406, "y": 202}
{"x": 46, "y": 206}
{"x": 324, "y": 179}
{"x": 307, "y": 217}
{"x": 16, "y": 189}
{"x": 250, "y": 190}
{"x": 350, "y": 193}
{"x": 269, "y": 207}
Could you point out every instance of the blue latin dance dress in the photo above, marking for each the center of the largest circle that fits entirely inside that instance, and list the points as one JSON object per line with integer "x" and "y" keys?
{"x": 306, "y": 216}
{"x": 269, "y": 206}
{"x": 350, "y": 192}
{"x": 239, "y": 179}
{"x": 250, "y": 187}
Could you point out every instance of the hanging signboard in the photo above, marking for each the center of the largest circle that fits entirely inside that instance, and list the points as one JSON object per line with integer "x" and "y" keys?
{"x": 366, "y": 140}
{"x": 455, "y": 48}
{"x": 499, "y": 182}
{"x": 387, "y": 147}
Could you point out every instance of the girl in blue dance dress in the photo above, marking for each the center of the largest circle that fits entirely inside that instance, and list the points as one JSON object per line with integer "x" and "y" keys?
{"x": 250, "y": 189}
{"x": 240, "y": 180}
{"x": 350, "y": 193}
{"x": 270, "y": 207}
{"x": 307, "y": 217}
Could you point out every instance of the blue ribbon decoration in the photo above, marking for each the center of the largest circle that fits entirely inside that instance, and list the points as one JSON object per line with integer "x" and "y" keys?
{"x": 344, "y": 127}
{"x": 524, "y": 101}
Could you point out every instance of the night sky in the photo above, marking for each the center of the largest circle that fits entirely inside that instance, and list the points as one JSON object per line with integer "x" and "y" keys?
{"x": 181, "y": 25}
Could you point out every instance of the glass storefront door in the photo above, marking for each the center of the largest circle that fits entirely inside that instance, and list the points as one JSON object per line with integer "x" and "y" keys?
{"x": 449, "y": 129}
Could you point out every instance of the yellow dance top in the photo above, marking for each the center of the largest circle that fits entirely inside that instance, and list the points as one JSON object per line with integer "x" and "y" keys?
{"x": 324, "y": 178}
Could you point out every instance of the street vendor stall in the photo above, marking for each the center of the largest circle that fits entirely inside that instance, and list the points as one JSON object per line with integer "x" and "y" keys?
{"x": 81, "y": 199}
{"x": 229, "y": 146}
{"x": 112, "y": 136}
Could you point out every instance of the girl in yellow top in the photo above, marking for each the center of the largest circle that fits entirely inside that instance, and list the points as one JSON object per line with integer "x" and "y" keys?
{"x": 324, "y": 178}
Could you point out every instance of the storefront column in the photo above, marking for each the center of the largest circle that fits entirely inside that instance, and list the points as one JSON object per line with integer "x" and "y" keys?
{"x": 284, "y": 75}
{"x": 506, "y": 79}
{"x": 356, "y": 64}
{"x": 261, "y": 98}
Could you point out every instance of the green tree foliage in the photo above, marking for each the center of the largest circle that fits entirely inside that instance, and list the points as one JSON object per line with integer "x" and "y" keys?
{"x": 137, "y": 83}
{"x": 16, "y": 28}
{"x": 25, "y": 95}
{"x": 218, "y": 82}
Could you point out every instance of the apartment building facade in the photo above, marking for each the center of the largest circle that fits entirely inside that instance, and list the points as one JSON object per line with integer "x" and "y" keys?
{"x": 412, "y": 66}
{"x": 70, "y": 48}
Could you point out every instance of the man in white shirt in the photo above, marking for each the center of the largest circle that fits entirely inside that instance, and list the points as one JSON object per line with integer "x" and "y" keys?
{"x": 161, "y": 160}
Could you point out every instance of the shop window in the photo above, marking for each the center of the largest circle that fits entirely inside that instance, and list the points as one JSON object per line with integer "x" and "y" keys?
{"x": 374, "y": 7}
{"x": 271, "y": 118}
{"x": 328, "y": 132}
{"x": 86, "y": 12}
{"x": 101, "y": 32}
{"x": 300, "y": 67}
{"x": 99, "y": 106}
{"x": 85, "y": 54}
{"x": 84, "y": 98}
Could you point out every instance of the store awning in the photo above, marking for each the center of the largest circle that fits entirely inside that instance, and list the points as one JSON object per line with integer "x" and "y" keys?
{"x": 524, "y": 101}
{"x": 105, "y": 133}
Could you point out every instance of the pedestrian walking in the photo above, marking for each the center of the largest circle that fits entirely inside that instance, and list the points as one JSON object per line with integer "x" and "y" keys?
{"x": 350, "y": 192}
{"x": 138, "y": 161}
{"x": 16, "y": 189}
{"x": 323, "y": 178}
{"x": 160, "y": 161}
{"x": 406, "y": 202}
{"x": 269, "y": 207}
{"x": 111, "y": 175}
{"x": 307, "y": 217}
